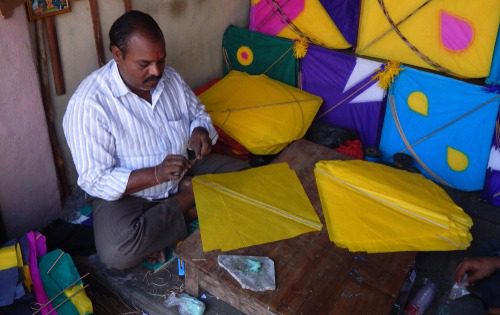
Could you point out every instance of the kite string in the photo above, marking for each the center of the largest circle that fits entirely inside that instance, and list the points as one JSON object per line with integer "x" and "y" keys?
{"x": 390, "y": 29}
{"x": 451, "y": 122}
{"x": 397, "y": 123}
{"x": 420, "y": 54}
{"x": 278, "y": 60}
{"x": 347, "y": 97}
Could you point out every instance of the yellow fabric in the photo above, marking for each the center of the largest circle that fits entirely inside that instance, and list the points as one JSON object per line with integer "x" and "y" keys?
{"x": 8, "y": 257}
{"x": 251, "y": 207}
{"x": 27, "y": 277}
{"x": 79, "y": 299}
{"x": 25, "y": 268}
{"x": 315, "y": 22}
{"x": 376, "y": 208}
{"x": 424, "y": 32}
{"x": 262, "y": 114}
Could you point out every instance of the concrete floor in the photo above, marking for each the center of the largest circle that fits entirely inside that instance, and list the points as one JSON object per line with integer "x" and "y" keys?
{"x": 148, "y": 292}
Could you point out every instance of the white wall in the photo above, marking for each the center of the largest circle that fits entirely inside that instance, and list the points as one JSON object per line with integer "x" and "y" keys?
{"x": 193, "y": 31}
{"x": 29, "y": 195}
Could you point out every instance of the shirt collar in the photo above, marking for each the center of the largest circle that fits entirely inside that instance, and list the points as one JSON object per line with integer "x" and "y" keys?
{"x": 118, "y": 88}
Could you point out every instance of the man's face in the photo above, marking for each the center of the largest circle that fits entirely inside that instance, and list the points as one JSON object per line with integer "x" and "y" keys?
{"x": 141, "y": 67}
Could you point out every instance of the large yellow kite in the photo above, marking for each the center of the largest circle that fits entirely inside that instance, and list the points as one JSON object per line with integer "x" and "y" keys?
{"x": 376, "y": 208}
{"x": 251, "y": 207}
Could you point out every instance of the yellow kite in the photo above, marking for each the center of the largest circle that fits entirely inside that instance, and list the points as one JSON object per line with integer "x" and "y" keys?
{"x": 262, "y": 114}
{"x": 252, "y": 207}
{"x": 376, "y": 208}
{"x": 454, "y": 37}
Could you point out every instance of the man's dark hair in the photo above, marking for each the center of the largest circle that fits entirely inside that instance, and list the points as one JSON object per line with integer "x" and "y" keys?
{"x": 132, "y": 22}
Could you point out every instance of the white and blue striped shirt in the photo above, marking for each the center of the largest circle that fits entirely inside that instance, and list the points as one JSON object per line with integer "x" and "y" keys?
{"x": 112, "y": 131}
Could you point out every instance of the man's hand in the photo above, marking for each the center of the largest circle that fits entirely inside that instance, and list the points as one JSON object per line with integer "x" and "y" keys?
{"x": 200, "y": 142}
{"x": 477, "y": 268}
{"x": 172, "y": 168}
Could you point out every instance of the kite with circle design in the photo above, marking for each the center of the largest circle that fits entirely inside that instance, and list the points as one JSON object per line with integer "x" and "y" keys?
{"x": 257, "y": 53}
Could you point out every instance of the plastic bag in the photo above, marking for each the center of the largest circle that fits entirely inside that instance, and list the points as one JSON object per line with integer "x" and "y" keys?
{"x": 459, "y": 289}
{"x": 187, "y": 305}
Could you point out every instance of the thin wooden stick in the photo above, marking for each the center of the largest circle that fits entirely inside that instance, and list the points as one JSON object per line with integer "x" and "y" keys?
{"x": 128, "y": 5}
{"x": 55, "y": 58}
{"x": 43, "y": 71}
{"x": 96, "y": 24}
{"x": 58, "y": 294}
{"x": 55, "y": 262}
{"x": 67, "y": 299}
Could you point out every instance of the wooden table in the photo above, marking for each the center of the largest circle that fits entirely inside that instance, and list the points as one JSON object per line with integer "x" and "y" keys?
{"x": 313, "y": 276}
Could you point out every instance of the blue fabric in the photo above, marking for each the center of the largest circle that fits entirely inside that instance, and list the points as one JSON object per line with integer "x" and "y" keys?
{"x": 448, "y": 100}
{"x": 494, "y": 77}
{"x": 8, "y": 285}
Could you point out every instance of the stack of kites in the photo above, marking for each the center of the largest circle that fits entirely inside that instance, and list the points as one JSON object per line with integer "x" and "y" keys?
{"x": 431, "y": 114}
{"x": 375, "y": 208}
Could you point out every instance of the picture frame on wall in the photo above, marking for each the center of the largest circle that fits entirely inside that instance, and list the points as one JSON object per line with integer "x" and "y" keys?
{"x": 39, "y": 9}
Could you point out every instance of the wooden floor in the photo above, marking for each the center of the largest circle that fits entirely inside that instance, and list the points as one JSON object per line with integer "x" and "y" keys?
{"x": 106, "y": 302}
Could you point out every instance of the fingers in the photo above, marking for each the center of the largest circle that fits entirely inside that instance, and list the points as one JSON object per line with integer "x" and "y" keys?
{"x": 460, "y": 271}
{"x": 200, "y": 142}
{"x": 174, "y": 167}
{"x": 206, "y": 147}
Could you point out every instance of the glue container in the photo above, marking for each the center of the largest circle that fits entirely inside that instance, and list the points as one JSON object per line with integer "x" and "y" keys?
{"x": 180, "y": 267}
{"x": 422, "y": 299}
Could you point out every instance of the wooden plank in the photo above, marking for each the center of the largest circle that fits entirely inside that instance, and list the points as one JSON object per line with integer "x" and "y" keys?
{"x": 43, "y": 72}
{"x": 96, "y": 25}
{"x": 313, "y": 276}
{"x": 128, "y": 5}
{"x": 55, "y": 58}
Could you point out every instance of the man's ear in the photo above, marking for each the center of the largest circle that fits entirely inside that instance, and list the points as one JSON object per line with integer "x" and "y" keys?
{"x": 117, "y": 53}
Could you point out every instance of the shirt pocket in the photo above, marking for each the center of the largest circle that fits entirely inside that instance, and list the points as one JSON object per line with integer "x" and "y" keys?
{"x": 175, "y": 133}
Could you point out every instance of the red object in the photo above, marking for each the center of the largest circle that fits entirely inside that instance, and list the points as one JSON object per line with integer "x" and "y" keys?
{"x": 228, "y": 146}
{"x": 352, "y": 148}
{"x": 205, "y": 86}
{"x": 225, "y": 145}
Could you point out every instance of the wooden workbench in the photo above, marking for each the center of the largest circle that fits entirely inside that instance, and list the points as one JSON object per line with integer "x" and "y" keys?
{"x": 313, "y": 276}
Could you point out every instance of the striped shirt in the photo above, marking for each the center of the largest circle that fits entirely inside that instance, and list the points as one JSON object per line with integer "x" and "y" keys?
{"x": 112, "y": 131}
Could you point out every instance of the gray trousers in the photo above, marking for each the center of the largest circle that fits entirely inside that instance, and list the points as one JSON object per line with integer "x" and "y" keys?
{"x": 130, "y": 229}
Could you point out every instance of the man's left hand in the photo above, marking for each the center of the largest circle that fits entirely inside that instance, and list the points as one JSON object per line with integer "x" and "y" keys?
{"x": 200, "y": 142}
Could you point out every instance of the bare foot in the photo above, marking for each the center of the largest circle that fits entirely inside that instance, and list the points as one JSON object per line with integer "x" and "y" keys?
{"x": 157, "y": 257}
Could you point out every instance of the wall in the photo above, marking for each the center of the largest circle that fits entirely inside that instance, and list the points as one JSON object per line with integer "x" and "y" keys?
{"x": 29, "y": 195}
{"x": 193, "y": 31}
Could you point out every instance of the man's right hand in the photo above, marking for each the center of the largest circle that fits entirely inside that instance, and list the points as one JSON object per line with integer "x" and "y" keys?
{"x": 477, "y": 268}
{"x": 172, "y": 168}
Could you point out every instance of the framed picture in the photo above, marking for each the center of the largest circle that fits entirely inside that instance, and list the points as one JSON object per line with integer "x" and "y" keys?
{"x": 39, "y": 9}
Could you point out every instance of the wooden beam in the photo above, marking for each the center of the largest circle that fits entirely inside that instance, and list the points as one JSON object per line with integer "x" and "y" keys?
{"x": 128, "y": 5}
{"x": 43, "y": 72}
{"x": 96, "y": 24}
{"x": 7, "y": 6}
{"x": 55, "y": 58}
